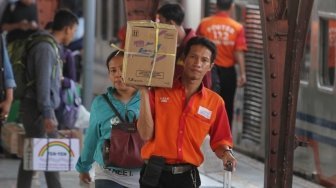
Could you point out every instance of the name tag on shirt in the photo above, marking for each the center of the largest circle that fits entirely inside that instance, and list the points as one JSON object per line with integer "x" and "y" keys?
{"x": 204, "y": 112}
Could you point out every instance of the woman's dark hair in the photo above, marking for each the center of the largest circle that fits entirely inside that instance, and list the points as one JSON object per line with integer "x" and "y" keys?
{"x": 172, "y": 12}
{"x": 112, "y": 55}
{"x": 204, "y": 42}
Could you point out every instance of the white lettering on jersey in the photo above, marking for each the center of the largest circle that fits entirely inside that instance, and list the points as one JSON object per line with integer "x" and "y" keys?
{"x": 164, "y": 99}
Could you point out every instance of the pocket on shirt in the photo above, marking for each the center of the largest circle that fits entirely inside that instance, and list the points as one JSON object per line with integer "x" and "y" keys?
{"x": 199, "y": 125}
{"x": 202, "y": 119}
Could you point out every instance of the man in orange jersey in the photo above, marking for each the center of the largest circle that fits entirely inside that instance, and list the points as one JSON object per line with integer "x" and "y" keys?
{"x": 229, "y": 37}
{"x": 175, "y": 122}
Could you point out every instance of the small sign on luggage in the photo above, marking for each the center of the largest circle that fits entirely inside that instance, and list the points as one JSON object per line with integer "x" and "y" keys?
{"x": 48, "y": 154}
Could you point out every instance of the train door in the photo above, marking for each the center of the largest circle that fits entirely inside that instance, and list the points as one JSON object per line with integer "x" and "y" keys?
{"x": 316, "y": 112}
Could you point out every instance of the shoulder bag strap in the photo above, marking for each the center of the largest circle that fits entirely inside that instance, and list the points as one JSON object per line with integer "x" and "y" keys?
{"x": 112, "y": 107}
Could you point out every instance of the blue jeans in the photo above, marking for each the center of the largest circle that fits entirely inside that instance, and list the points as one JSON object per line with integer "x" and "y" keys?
{"x": 101, "y": 183}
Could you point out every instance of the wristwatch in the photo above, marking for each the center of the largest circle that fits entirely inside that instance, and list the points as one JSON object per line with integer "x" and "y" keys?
{"x": 228, "y": 150}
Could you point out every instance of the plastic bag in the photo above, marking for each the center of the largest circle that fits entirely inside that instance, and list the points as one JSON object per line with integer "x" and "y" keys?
{"x": 83, "y": 118}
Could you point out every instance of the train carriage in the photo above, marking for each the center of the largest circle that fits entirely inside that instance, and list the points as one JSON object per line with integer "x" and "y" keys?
{"x": 316, "y": 116}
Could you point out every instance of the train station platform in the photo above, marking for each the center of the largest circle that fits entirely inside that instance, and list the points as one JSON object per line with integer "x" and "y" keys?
{"x": 249, "y": 174}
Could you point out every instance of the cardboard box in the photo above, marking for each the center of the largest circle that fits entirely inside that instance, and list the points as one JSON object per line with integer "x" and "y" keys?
{"x": 50, "y": 154}
{"x": 9, "y": 137}
{"x": 150, "y": 51}
{"x": 75, "y": 133}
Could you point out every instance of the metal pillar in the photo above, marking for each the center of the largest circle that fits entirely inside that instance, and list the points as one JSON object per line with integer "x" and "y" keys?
{"x": 193, "y": 13}
{"x": 88, "y": 54}
{"x": 285, "y": 25}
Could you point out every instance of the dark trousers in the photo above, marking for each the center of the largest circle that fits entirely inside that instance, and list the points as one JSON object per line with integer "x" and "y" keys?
{"x": 33, "y": 124}
{"x": 224, "y": 82}
{"x": 168, "y": 180}
{"x": 102, "y": 183}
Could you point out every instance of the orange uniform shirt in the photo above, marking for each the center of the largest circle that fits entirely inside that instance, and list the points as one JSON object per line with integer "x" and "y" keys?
{"x": 181, "y": 128}
{"x": 227, "y": 34}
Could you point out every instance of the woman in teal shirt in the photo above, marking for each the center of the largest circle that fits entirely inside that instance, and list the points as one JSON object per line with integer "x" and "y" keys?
{"x": 124, "y": 98}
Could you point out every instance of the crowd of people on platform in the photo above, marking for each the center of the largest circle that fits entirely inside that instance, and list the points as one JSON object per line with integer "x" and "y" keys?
{"x": 172, "y": 122}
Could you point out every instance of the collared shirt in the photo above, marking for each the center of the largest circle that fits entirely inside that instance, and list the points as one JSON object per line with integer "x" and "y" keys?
{"x": 227, "y": 34}
{"x": 181, "y": 126}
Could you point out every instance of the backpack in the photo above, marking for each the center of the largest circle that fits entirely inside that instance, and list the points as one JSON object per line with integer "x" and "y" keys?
{"x": 18, "y": 51}
{"x": 67, "y": 112}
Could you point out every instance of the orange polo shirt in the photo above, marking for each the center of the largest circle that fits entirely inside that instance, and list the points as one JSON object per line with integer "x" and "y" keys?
{"x": 227, "y": 34}
{"x": 181, "y": 128}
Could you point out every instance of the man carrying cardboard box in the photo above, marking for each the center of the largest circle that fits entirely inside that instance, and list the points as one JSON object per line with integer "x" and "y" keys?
{"x": 174, "y": 122}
